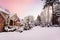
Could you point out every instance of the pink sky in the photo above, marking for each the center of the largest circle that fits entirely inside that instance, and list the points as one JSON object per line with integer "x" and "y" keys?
{"x": 22, "y": 7}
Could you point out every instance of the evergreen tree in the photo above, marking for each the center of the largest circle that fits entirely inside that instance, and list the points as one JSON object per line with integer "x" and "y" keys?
{"x": 38, "y": 20}
{"x": 50, "y": 3}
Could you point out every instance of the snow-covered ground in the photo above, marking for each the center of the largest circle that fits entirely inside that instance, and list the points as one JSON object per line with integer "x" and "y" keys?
{"x": 36, "y": 33}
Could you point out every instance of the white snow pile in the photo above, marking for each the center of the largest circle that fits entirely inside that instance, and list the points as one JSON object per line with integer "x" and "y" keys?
{"x": 4, "y": 10}
{"x": 36, "y": 33}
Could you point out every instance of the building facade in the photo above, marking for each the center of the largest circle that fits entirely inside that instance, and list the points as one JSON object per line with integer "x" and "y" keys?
{"x": 14, "y": 20}
{"x": 4, "y": 16}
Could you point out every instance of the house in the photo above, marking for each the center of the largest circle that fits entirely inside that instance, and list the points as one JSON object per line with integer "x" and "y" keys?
{"x": 15, "y": 24}
{"x": 14, "y": 20}
{"x": 4, "y": 16}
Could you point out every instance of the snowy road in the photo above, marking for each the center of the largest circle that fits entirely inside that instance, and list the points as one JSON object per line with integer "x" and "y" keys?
{"x": 36, "y": 33}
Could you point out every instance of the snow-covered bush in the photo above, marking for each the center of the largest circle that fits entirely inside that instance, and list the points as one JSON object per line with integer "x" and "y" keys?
{"x": 29, "y": 22}
{"x": 19, "y": 29}
{"x": 9, "y": 29}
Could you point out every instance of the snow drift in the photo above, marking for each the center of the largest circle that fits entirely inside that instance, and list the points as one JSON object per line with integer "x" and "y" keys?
{"x": 36, "y": 33}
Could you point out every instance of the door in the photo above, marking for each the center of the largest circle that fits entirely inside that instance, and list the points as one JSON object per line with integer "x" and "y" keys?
{"x": 11, "y": 22}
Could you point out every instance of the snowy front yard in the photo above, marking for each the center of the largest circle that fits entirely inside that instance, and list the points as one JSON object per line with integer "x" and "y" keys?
{"x": 36, "y": 33}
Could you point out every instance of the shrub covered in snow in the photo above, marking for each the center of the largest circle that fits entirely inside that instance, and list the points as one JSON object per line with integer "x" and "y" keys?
{"x": 29, "y": 22}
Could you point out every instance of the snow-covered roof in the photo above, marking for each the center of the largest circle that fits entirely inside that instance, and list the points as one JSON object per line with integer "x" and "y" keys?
{"x": 11, "y": 15}
{"x": 14, "y": 17}
{"x": 4, "y": 10}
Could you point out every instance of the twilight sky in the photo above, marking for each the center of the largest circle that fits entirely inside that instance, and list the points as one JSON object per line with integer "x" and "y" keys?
{"x": 23, "y": 7}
